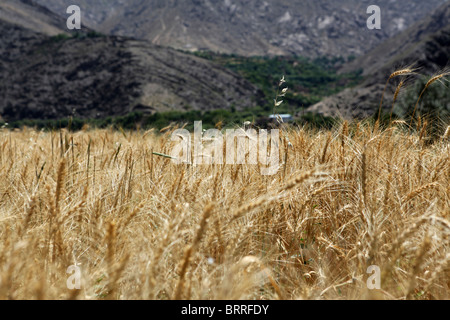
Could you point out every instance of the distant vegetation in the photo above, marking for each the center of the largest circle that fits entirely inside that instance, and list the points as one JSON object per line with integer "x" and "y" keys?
{"x": 138, "y": 120}
{"x": 76, "y": 35}
{"x": 309, "y": 81}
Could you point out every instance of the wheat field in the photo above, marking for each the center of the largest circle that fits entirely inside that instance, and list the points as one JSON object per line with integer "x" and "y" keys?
{"x": 139, "y": 226}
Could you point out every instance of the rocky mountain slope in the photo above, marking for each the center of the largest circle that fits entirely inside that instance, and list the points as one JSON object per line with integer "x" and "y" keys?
{"x": 406, "y": 48}
{"x": 98, "y": 76}
{"x": 308, "y": 28}
{"x": 31, "y": 16}
{"x": 425, "y": 45}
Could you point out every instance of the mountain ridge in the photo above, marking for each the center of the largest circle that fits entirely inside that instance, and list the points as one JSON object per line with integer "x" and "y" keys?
{"x": 94, "y": 76}
{"x": 30, "y": 15}
{"x": 271, "y": 27}
{"x": 425, "y": 47}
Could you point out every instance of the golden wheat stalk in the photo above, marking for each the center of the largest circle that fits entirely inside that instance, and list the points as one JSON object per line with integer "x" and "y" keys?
{"x": 418, "y": 191}
{"x": 446, "y": 134}
{"x": 402, "y": 72}
{"x": 190, "y": 250}
{"x": 427, "y": 85}
{"x": 420, "y": 258}
{"x": 397, "y": 92}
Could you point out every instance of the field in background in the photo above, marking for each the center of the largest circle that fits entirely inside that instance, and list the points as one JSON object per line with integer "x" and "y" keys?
{"x": 141, "y": 227}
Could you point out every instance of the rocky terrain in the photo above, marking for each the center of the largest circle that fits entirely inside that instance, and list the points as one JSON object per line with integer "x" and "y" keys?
{"x": 48, "y": 72}
{"x": 425, "y": 46}
{"x": 27, "y": 14}
{"x": 270, "y": 27}
{"x": 96, "y": 76}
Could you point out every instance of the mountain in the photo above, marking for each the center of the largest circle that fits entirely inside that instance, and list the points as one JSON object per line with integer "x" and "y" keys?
{"x": 95, "y": 76}
{"x": 407, "y": 47}
{"x": 425, "y": 45}
{"x": 270, "y": 27}
{"x": 29, "y": 15}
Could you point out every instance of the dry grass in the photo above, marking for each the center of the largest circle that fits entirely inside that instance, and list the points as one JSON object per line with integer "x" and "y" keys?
{"x": 141, "y": 227}
{"x": 439, "y": 77}
{"x": 401, "y": 72}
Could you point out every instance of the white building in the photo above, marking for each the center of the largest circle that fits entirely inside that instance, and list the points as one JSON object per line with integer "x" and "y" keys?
{"x": 285, "y": 117}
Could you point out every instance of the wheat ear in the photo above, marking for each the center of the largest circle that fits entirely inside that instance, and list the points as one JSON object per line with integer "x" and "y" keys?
{"x": 429, "y": 83}
{"x": 397, "y": 73}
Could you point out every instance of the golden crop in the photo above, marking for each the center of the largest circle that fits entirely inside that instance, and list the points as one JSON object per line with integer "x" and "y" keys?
{"x": 141, "y": 227}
